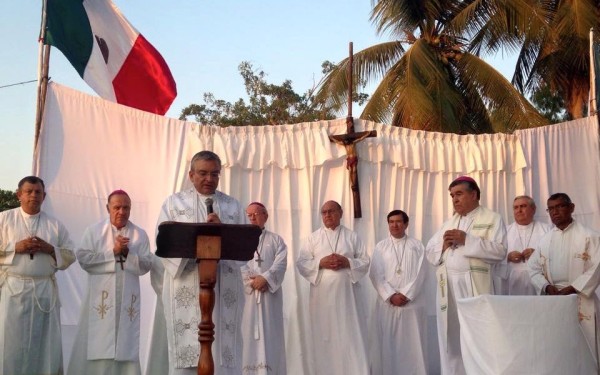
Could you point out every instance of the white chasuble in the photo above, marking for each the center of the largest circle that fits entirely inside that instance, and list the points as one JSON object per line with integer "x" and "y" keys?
{"x": 336, "y": 304}
{"x": 113, "y": 303}
{"x": 571, "y": 257}
{"x": 181, "y": 289}
{"x": 515, "y": 276}
{"x": 29, "y": 301}
{"x": 463, "y": 271}
{"x": 262, "y": 323}
{"x": 397, "y": 339}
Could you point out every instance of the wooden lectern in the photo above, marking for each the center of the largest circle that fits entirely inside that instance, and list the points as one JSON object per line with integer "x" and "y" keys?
{"x": 207, "y": 243}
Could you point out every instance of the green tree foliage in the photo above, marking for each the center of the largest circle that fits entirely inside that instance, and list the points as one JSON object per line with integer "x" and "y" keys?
{"x": 551, "y": 38}
{"x": 550, "y": 104}
{"x": 8, "y": 200}
{"x": 427, "y": 77}
{"x": 268, "y": 104}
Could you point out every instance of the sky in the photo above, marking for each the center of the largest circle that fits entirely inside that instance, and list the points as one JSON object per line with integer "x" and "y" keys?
{"x": 203, "y": 42}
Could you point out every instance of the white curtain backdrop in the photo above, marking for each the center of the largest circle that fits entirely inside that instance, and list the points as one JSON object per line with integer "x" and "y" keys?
{"x": 89, "y": 147}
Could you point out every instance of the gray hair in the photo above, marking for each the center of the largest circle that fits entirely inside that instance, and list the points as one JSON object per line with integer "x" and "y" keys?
{"x": 205, "y": 155}
{"x": 529, "y": 200}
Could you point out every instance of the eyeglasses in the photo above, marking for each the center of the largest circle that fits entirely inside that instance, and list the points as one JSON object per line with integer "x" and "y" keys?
{"x": 557, "y": 207}
{"x": 254, "y": 214}
{"x": 204, "y": 174}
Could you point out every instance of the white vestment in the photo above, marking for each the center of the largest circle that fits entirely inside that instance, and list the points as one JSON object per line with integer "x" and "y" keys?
{"x": 485, "y": 243}
{"x": 262, "y": 324}
{"x": 571, "y": 257}
{"x": 515, "y": 278}
{"x": 108, "y": 333}
{"x": 336, "y": 309}
{"x": 180, "y": 291}
{"x": 30, "y": 338}
{"x": 398, "y": 340}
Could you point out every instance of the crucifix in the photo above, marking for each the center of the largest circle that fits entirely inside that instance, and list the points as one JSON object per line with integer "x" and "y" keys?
{"x": 121, "y": 260}
{"x": 349, "y": 141}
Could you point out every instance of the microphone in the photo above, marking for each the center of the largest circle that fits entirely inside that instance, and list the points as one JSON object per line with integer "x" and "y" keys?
{"x": 209, "y": 206}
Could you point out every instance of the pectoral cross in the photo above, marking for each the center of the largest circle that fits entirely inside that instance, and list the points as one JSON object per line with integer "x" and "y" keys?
{"x": 121, "y": 260}
{"x": 442, "y": 284}
{"x": 349, "y": 141}
{"x": 259, "y": 260}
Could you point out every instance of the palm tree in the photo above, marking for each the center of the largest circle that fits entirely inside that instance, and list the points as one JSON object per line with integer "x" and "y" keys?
{"x": 429, "y": 79}
{"x": 552, "y": 38}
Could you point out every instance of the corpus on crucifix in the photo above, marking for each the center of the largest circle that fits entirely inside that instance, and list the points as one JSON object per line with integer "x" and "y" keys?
{"x": 350, "y": 139}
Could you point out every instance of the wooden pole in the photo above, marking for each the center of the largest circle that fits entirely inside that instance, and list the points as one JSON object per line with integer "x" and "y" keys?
{"x": 43, "y": 68}
{"x": 349, "y": 118}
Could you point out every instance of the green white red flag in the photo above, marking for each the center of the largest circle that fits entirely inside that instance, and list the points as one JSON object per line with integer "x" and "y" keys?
{"x": 110, "y": 54}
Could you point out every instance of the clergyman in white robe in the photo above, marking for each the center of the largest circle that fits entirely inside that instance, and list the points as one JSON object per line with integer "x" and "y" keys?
{"x": 30, "y": 333}
{"x": 262, "y": 324}
{"x": 463, "y": 251}
{"x": 108, "y": 333}
{"x": 521, "y": 237}
{"x": 398, "y": 340}
{"x": 571, "y": 257}
{"x": 180, "y": 290}
{"x": 336, "y": 309}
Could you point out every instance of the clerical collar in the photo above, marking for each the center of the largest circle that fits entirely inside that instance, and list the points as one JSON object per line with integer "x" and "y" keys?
{"x": 333, "y": 230}
{"x": 396, "y": 240}
{"x": 203, "y": 197}
{"x": 26, "y": 215}
{"x": 524, "y": 227}
{"x": 117, "y": 229}
{"x": 473, "y": 212}
{"x": 566, "y": 228}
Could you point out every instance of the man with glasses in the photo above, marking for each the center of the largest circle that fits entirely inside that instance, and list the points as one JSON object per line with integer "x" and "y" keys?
{"x": 567, "y": 262}
{"x": 199, "y": 204}
{"x": 333, "y": 259}
{"x": 262, "y": 324}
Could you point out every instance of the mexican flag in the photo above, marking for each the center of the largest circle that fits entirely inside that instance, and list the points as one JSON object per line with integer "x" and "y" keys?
{"x": 110, "y": 54}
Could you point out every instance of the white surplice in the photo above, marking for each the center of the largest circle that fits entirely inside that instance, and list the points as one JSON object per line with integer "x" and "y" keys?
{"x": 30, "y": 336}
{"x": 485, "y": 241}
{"x": 336, "y": 309}
{"x": 397, "y": 339}
{"x": 515, "y": 278}
{"x": 108, "y": 333}
{"x": 571, "y": 257}
{"x": 180, "y": 290}
{"x": 262, "y": 324}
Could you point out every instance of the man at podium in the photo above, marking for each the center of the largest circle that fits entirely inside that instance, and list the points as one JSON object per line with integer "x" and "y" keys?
{"x": 200, "y": 204}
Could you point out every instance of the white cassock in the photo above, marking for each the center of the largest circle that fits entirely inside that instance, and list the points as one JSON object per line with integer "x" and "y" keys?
{"x": 108, "y": 333}
{"x": 336, "y": 308}
{"x": 466, "y": 273}
{"x": 30, "y": 338}
{"x": 571, "y": 257}
{"x": 262, "y": 324}
{"x": 398, "y": 340}
{"x": 515, "y": 278}
{"x": 180, "y": 291}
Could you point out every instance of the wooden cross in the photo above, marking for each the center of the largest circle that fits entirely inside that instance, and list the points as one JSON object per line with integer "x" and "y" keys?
{"x": 349, "y": 141}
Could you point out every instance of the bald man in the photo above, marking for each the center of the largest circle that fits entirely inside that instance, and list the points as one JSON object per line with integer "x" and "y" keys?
{"x": 333, "y": 259}
{"x": 262, "y": 323}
